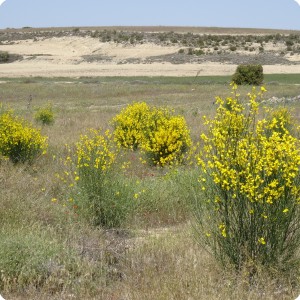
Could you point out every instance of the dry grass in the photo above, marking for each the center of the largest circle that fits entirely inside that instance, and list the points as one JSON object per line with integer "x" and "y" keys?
{"x": 155, "y": 256}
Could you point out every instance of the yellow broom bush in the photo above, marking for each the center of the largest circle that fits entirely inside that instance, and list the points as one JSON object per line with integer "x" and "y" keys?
{"x": 96, "y": 183}
{"x": 19, "y": 141}
{"x": 130, "y": 125}
{"x": 45, "y": 115}
{"x": 250, "y": 180}
{"x": 161, "y": 135}
{"x": 166, "y": 138}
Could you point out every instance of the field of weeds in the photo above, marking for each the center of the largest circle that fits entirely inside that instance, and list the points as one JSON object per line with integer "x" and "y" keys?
{"x": 51, "y": 250}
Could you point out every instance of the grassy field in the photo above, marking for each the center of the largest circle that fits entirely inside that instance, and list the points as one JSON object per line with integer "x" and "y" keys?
{"x": 48, "y": 252}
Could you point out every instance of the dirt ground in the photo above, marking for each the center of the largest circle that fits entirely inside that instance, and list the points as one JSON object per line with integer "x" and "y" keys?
{"x": 71, "y": 54}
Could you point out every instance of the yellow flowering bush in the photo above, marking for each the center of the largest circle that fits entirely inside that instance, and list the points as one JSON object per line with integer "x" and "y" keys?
{"x": 161, "y": 135}
{"x": 98, "y": 191}
{"x": 45, "y": 115}
{"x": 130, "y": 124}
{"x": 166, "y": 138}
{"x": 95, "y": 151}
{"x": 279, "y": 120}
{"x": 251, "y": 184}
{"x": 18, "y": 140}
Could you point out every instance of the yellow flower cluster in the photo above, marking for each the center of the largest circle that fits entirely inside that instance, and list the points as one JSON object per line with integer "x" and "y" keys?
{"x": 130, "y": 124}
{"x": 279, "y": 120}
{"x": 167, "y": 138}
{"x": 256, "y": 159}
{"x": 18, "y": 140}
{"x": 251, "y": 179}
{"x": 164, "y": 137}
{"x": 95, "y": 151}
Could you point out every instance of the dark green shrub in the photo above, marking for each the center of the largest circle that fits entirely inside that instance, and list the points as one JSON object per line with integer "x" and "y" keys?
{"x": 248, "y": 74}
{"x": 233, "y": 48}
{"x": 199, "y": 52}
{"x": 4, "y": 56}
{"x": 190, "y": 51}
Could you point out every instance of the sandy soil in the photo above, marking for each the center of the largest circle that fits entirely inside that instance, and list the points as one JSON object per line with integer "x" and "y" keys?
{"x": 65, "y": 56}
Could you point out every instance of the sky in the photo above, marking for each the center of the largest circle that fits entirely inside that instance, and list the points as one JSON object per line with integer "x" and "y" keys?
{"x": 275, "y": 14}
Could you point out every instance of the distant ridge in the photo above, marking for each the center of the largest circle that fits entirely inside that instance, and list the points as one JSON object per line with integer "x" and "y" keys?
{"x": 178, "y": 29}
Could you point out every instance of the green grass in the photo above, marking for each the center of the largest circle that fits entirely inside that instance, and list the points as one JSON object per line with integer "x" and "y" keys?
{"x": 138, "y": 80}
{"x": 51, "y": 253}
{"x": 283, "y": 78}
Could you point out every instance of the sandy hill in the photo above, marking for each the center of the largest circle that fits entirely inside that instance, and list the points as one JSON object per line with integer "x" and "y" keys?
{"x": 146, "y": 51}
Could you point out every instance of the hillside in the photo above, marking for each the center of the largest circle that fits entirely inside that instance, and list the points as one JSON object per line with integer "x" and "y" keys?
{"x": 148, "y": 51}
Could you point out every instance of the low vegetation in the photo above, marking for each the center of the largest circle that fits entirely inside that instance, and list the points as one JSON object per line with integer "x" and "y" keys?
{"x": 4, "y": 56}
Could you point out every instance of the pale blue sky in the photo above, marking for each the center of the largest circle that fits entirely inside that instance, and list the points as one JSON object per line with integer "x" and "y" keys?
{"x": 277, "y": 14}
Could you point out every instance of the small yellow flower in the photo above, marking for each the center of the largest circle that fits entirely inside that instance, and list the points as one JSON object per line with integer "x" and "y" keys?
{"x": 263, "y": 89}
{"x": 223, "y": 230}
{"x": 136, "y": 195}
{"x": 262, "y": 241}
{"x": 54, "y": 200}
{"x": 285, "y": 210}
